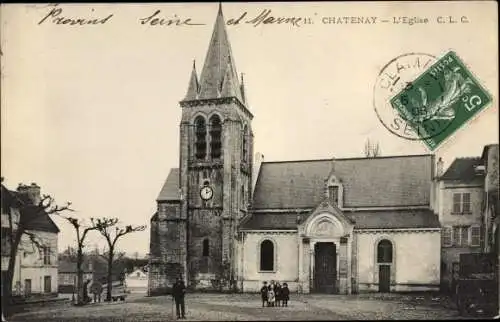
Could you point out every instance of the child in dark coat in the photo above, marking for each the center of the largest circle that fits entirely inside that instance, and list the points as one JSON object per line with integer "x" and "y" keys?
{"x": 263, "y": 294}
{"x": 277, "y": 293}
{"x": 285, "y": 294}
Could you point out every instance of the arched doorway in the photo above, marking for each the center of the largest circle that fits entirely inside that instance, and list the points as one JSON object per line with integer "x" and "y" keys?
{"x": 325, "y": 267}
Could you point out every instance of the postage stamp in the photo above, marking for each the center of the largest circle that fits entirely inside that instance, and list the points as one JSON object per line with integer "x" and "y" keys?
{"x": 393, "y": 77}
{"x": 441, "y": 100}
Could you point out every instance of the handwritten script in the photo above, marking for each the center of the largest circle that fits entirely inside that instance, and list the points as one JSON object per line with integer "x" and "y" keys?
{"x": 57, "y": 16}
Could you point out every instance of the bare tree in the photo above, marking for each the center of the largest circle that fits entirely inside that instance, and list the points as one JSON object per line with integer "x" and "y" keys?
{"x": 21, "y": 212}
{"x": 372, "y": 150}
{"x": 81, "y": 234}
{"x": 105, "y": 227}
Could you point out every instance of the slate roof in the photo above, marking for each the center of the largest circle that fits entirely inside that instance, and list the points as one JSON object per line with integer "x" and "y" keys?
{"x": 421, "y": 218}
{"x": 99, "y": 266}
{"x": 368, "y": 182}
{"x": 281, "y": 221}
{"x": 463, "y": 169}
{"x": 381, "y": 219}
{"x": 170, "y": 189}
{"x": 65, "y": 265}
{"x": 42, "y": 222}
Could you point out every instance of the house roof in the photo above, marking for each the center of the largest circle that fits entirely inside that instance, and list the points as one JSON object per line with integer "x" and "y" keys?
{"x": 42, "y": 222}
{"x": 68, "y": 265}
{"x": 65, "y": 265}
{"x": 463, "y": 169}
{"x": 368, "y": 182}
{"x": 170, "y": 189}
{"x": 375, "y": 219}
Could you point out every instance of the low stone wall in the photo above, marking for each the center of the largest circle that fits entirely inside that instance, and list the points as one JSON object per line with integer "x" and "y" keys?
{"x": 373, "y": 287}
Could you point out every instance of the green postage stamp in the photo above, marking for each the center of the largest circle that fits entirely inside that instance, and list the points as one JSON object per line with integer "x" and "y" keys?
{"x": 441, "y": 100}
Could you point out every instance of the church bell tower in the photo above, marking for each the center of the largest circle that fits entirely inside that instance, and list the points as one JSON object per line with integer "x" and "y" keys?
{"x": 216, "y": 146}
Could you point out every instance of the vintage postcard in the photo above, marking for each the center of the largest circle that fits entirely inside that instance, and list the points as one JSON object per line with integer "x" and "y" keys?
{"x": 250, "y": 161}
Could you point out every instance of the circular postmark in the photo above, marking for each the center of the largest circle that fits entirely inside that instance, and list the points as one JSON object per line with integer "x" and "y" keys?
{"x": 396, "y": 76}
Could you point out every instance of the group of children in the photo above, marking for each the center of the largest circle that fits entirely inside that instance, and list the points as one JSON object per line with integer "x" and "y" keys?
{"x": 274, "y": 294}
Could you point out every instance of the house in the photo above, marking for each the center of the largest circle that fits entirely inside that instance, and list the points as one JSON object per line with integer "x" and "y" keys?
{"x": 67, "y": 275}
{"x": 491, "y": 204}
{"x": 460, "y": 196}
{"x": 491, "y": 212}
{"x": 94, "y": 266}
{"x": 227, "y": 221}
{"x": 35, "y": 271}
{"x": 137, "y": 281}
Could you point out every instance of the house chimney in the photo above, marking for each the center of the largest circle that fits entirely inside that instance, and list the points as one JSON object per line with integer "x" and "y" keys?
{"x": 32, "y": 192}
{"x": 439, "y": 168}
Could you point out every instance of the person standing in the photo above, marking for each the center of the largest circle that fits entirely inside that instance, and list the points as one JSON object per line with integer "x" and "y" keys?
{"x": 270, "y": 296}
{"x": 285, "y": 294}
{"x": 277, "y": 293}
{"x": 86, "y": 298}
{"x": 96, "y": 290}
{"x": 263, "y": 294}
{"x": 178, "y": 292}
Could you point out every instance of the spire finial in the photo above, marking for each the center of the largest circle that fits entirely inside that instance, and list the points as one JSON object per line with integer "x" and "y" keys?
{"x": 220, "y": 8}
{"x": 194, "y": 64}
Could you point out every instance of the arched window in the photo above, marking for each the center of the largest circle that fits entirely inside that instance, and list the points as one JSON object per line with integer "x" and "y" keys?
{"x": 205, "y": 247}
{"x": 200, "y": 134}
{"x": 267, "y": 256}
{"x": 384, "y": 251}
{"x": 215, "y": 137}
{"x": 244, "y": 143}
{"x": 333, "y": 194}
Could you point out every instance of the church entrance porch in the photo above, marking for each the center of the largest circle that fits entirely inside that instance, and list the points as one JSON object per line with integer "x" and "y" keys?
{"x": 325, "y": 267}
{"x": 326, "y": 251}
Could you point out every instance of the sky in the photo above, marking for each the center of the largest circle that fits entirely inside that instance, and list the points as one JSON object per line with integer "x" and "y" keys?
{"x": 91, "y": 113}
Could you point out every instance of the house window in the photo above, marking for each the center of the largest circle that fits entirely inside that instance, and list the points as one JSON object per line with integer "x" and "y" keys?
{"x": 200, "y": 136}
{"x": 466, "y": 203}
{"x": 205, "y": 247}
{"x": 456, "y": 202}
{"x": 475, "y": 236}
{"x": 244, "y": 144}
{"x": 460, "y": 235}
{"x": 215, "y": 137}
{"x": 446, "y": 237}
{"x": 461, "y": 203}
{"x": 267, "y": 256}
{"x": 333, "y": 194}
{"x": 384, "y": 251}
{"x": 46, "y": 255}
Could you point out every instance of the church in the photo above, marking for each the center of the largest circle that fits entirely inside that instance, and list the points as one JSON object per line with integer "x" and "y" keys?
{"x": 227, "y": 220}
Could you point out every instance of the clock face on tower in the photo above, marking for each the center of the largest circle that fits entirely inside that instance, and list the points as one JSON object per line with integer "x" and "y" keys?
{"x": 206, "y": 193}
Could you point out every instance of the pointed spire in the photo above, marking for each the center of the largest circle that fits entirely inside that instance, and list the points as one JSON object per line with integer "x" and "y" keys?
{"x": 229, "y": 84}
{"x": 219, "y": 65}
{"x": 192, "y": 92}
